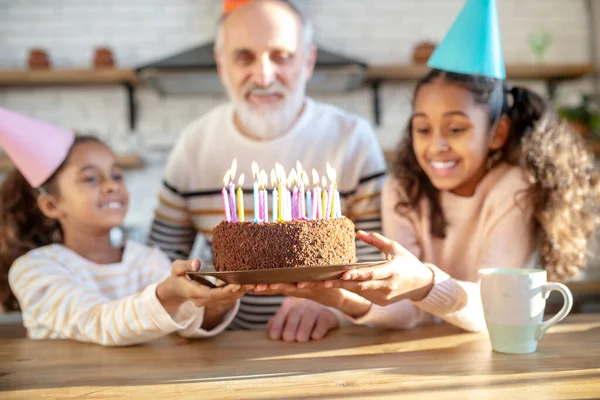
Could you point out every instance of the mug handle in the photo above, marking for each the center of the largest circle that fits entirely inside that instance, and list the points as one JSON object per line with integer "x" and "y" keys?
{"x": 566, "y": 308}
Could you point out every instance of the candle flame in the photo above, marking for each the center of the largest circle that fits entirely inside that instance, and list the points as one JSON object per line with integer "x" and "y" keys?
{"x": 331, "y": 173}
{"x": 315, "y": 177}
{"x": 299, "y": 168}
{"x": 291, "y": 179}
{"x": 241, "y": 180}
{"x": 273, "y": 179}
{"x": 279, "y": 170}
{"x": 255, "y": 170}
{"x": 262, "y": 180}
{"x": 281, "y": 176}
{"x": 226, "y": 178}
{"x": 305, "y": 180}
{"x": 233, "y": 168}
{"x": 323, "y": 182}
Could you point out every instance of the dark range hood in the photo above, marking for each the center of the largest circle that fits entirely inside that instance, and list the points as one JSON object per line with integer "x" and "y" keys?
{"x": 194, "y": 71}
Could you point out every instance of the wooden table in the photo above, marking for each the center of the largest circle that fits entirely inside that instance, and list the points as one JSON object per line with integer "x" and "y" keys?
{"x": 438, "y": 362}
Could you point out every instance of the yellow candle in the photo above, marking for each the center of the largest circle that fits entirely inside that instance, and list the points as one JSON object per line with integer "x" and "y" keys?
{"x": 279, "y": 205}
{"x": 281, "y": 179}
{"x": 324, "y": 197}
{"x": 240, "y": 199}
{"x": 332, "y": 175}
{"x": 332, "y": 203}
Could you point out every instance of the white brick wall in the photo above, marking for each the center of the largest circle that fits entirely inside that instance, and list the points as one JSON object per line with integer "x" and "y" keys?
{"x": 379, "y": 31}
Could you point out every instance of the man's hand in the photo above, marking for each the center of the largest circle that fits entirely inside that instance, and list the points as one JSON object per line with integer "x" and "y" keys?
{"x": 301, "y": 320}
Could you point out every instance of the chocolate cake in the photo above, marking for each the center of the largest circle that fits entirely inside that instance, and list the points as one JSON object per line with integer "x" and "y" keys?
{"x": 240, "y": 246}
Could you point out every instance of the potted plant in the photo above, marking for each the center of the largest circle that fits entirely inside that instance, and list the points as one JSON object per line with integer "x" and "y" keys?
{"x": 583, "y": 114}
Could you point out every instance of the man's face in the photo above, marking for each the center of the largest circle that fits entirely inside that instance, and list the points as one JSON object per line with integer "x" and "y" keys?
{"x": 264, "y": 66}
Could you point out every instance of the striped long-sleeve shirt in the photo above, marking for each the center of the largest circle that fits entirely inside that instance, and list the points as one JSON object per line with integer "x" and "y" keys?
{"x": 190, "y": 200}
{"x": 65, "y": 296}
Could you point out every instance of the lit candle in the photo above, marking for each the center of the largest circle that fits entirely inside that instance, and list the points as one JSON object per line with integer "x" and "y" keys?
{"x": 224, "y": 196}
{"x": 338, "y": 205}
{"x": 240, "y": 198}
{"x": 331, "y": 174}
{"x": 255, "y": 192}
{"x": 306, "y": 183}
{"x": 301, "y": 199}
{"x": 275, "y": 197}
{"x": 300, "y": 184}
{"x": 324, "y": 198}
{"x": 316, "y": 195}
{"x": 291, "y": 183}
{"x": 264, "y": 199}
{"x": 288, "y": 194}
{"x": 281, "y": 181}
{"x": 231, "y": 188}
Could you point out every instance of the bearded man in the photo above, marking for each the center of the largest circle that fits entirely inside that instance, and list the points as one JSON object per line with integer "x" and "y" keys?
{"x": 265, "y": 57}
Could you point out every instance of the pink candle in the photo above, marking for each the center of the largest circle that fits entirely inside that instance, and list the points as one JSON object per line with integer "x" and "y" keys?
{"x": 231, "y": 188}
{"x": 295, "y": 208}
{"x": 301, "y": 211}
{"x": 265, "y": 205}
{"x": 316, "y": 195}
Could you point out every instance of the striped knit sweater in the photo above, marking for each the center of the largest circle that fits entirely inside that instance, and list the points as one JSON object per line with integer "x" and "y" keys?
{"x": 190, "y": 200}
{"x": 65, "y": 296}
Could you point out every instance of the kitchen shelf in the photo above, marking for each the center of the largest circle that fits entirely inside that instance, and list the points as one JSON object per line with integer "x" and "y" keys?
{"x": 551, "y": 74}
{"x": 127, "y": 160}
{"x": 76, "y": 77}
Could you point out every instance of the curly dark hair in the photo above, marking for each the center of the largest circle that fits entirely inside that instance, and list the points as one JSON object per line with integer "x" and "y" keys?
{"x": 564, "y": 179}
{"x": 23, "y": 226}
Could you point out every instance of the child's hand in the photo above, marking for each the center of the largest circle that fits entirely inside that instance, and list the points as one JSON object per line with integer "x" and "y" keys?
{"x": 402, "y": 277}
{"x": 179, "y": 288}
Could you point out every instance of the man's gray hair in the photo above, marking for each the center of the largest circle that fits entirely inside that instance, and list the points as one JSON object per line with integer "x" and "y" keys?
{"x": 307, "y": 27}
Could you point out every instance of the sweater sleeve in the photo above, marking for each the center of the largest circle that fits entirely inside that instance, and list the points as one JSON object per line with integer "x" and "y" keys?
{"x": 510, "y": 242}
{"x": 452, "y": 300}
{"x": 55, "y": 305}
{"x": 188, "y": 316}
{"x": 403, "y": 314}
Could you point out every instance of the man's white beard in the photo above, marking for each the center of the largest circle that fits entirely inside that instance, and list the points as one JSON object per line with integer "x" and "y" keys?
{"x": 266, "y": 121}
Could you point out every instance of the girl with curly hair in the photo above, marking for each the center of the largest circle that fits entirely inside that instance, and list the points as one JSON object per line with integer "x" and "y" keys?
{"x": 487, "y": 176}
{"x": 58, "y": 265}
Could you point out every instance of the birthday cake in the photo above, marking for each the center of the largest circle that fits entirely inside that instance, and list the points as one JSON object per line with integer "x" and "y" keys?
{"x": 241, "y": 246}
{"x": 305, "y": 226}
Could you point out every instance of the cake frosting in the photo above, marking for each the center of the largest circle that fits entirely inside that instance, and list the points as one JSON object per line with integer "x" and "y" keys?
{"x": 241, "y": 246}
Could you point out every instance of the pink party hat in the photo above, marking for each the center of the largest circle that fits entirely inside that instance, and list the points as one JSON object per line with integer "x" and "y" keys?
{"x": 36, "y": 148}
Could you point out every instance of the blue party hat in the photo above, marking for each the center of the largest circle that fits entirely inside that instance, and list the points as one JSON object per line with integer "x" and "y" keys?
{"x": 472, "y": 45}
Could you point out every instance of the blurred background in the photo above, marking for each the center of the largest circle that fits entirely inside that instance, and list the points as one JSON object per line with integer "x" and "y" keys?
{"x": 106, "y": 67}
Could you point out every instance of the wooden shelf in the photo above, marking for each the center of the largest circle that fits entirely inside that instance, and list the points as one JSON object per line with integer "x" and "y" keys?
{"x": 127, "y": 160}
{"x": 67, "y": 77}
{"x": 408, "y": 72}
{"x": 76, "y": 77}
{"x": 551, "y": 74}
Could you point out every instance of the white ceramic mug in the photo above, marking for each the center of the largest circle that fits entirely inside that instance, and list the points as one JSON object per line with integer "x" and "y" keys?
{"x": 513, "y": 304}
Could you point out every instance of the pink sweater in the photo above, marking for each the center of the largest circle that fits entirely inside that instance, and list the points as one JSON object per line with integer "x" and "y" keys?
{"x": 492, "y": 228}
